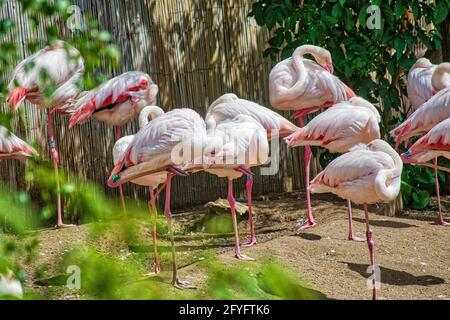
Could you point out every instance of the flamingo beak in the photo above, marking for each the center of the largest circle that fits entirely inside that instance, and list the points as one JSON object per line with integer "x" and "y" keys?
{"x": 329, "y": 67}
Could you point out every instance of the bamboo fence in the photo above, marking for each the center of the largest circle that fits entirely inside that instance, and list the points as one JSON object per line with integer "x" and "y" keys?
{"x": 195, "y": 51}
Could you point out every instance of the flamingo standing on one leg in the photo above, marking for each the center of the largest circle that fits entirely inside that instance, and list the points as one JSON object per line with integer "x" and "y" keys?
{"x": 151, "y": 181}
{"x": 366, "y": 174}
{"x": 153, "y": 150}
{"x": 64, "y": 68}
{"x": 226, "y": 108}
{"x": 338, "y": 129}
{"x": 234, "y": 146}
{"x": 306, "y": 86}
{"x": 116, "y": 102}
{"x": 425, "y": 118}
{"x": 434, "y": 144}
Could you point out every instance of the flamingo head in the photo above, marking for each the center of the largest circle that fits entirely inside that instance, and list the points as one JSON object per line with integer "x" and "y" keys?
{"x": 323, "y": 58}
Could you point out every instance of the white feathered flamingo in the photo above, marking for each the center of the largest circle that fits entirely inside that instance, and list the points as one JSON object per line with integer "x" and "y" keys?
{"x": 116, "y": 102}
{"x": 367, "y": 174}
{"x": 306, "y": 86}
{"x": 152, "y": 181}
{"x": 10, "y": 287}
{"x": 57, "y": 65}
{"x": 426, "y": 79}
{"x": 233, "y": 147}
{"x": 338, "y": 129}
{"x": 162, "y": 147}
{"x": 11, "y": 147}
{"x": 435, "y": 144}
{"x": 425, "y": 118}
{"x": 228, "y": 107}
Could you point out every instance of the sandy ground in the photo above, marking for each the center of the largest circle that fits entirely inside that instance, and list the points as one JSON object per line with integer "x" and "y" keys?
{"x": 413, "y": 254}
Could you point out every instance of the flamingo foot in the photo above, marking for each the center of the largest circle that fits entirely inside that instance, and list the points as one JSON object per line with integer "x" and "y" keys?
{"x": 64, "y": 226}
{"x": 243, "y": 257}
{"x": 182, "y": 285}
{"x": 307, "y": 225}
{"x": 355, "y": 238}
{"x": 250, "y": 243}
{"x": 440, "y": 222}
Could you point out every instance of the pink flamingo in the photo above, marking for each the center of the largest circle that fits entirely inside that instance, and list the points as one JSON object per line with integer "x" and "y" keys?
{"x": 159, "y": 148}
{"x": 424, "y": 80}
{"x": 234, "y": 147}
{"x": 434, "y": 144}
{"x": 11, "y": 147}
{"x": 116, "y": 102}
{"x": 306, "y": 86}
{"x": 226, "y": 108}
{"x": 425, "y": 118}
{"x": 338, "y": 129}
{"x": 366, "y": 174}
{"x": 65, "y": 68}
{"x": 151, "y": 181}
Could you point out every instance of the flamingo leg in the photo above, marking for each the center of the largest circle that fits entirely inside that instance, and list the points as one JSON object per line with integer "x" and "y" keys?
{"x": 232, "y": 202}
{"x": 371, "y": 245}
{"x": 118, "y": 135}
{"x": 440, "y": 221}
{"x": 55, "y": 159}
{"x": 249, "y": 186}
{"x": 308, "y": 153}
{"x": 351, "y": 236}
{"x": 154, "y": 214}
{"x": 168, "y": 213}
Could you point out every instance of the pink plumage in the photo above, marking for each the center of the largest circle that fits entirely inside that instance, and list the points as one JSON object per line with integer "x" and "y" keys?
{"x": 425, "y": 118}
{"x": 341, "y": 127}
{"x": 301, "y": 84}
{"x": 228, "y": 106}
{"x": 117, "y": 101}
{"x": 64, "y": 67}
{"x": 419, "y": 86}
{"x": 434, "y": 144}
{"x": 11, "y": 147}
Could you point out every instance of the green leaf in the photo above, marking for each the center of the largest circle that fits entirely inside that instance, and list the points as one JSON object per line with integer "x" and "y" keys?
{"x": 330, "y": 21}
{"x": 421, "y": 199}
{"x": 441, "y": 12}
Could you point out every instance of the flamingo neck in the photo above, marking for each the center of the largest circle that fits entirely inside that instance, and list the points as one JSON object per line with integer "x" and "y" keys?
{"x": 149, "y": 113}
{"x": 387, "y": 182}
{"x": 441, "y": 76}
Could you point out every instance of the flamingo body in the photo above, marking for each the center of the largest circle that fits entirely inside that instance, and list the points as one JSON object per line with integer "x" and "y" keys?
{"x": 64, "y": 67}
{"x": 117, "y": 101}
{"x": 11, "y": 147}
{"x": 298, "y": 83}
{"x": 419, "y": 86}
{"x": 425, "y": 118}
{"x": 341, "y": 127}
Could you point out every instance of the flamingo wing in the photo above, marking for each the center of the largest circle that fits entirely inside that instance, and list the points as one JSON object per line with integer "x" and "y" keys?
{"x": 61, "y": 63}
{"x": 338, "y": 128}
{"x": 130, "y": 85}
{"x": 434, "y": 144}
{"x": 228, "y": 106}
{"x": 426, "y": 117}
{"x": 419, "y": 86}
{"x": 11, "y": 147}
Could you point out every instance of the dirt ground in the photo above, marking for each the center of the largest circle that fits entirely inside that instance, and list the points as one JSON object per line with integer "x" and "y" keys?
{"x": 413, "y": 254}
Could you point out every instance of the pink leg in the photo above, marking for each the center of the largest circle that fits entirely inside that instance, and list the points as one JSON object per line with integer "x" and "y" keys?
{"x": 122, "y": 197}
{"x": 440, "y": 221}
{"x": 55, "y": 159}
{"x": 249, "y": 186}
{"x": 351, "y": 236}
{"x": 167, "y": 212}
{"x": 371, "y": 245}
{"x": 232, "y": 202}
{"x": 308, "y": 153}
{"x": 154, "y": 213}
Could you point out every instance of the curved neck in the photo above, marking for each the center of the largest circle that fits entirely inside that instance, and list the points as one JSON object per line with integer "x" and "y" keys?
{"x": 316, "y": 52}
{"x": 392, "y": 176}
{"x": 151, "y": 112}
{"x": 441, "y": 77}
